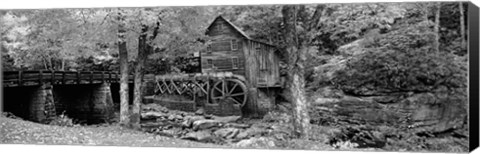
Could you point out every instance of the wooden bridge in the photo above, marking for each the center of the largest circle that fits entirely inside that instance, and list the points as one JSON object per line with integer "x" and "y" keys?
{"x": 31, "y": 78}
{"x": 40, "y": 95}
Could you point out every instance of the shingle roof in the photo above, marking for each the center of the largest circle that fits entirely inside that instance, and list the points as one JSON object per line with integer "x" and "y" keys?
{"x": 236, "y": 29}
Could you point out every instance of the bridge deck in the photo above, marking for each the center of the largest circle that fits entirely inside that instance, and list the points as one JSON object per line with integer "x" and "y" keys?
{"x": 29, "y": 78}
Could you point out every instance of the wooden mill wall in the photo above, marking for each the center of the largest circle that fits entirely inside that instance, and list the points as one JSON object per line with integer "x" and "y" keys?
{"x": 267, "y": 71}
{"x": 221, "y": 52}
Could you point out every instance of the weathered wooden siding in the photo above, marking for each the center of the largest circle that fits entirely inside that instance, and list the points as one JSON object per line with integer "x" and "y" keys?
{"x": 267, "y": 65}
{"x": 221, "y": 52}
{"x": 251, "y": 74}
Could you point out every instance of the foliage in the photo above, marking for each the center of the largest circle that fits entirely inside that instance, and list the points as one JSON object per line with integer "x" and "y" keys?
{"x": 401, "y": 61}
{"x": 62, "y": 120}
{"x": 349, "y": 22}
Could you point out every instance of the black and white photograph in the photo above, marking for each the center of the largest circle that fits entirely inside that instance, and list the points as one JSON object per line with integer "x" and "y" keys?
{"x": 367, "y": 77}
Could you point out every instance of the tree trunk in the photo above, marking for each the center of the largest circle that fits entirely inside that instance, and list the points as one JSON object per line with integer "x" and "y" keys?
{"x": 144, "y": 49}
{"x": 45, "y": 63}
{"x": 123, "y": 60}
{"x": 462, "y": 25}
{"x": 437, "y": 27}
{"x": 51, "y": 63}
{"x": 63, "y": 65}
{"x": 296, "y": 80}
{"x": 138, "y": 79}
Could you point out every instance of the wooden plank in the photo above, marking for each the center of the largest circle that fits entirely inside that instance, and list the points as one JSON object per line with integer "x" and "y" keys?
{"x": 8, "y": 75}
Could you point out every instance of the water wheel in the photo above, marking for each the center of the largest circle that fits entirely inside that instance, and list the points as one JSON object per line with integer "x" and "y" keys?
{"x": 233, "y": 90}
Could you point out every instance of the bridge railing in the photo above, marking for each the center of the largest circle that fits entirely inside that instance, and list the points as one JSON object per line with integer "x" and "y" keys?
{"x": 20, "y": 78}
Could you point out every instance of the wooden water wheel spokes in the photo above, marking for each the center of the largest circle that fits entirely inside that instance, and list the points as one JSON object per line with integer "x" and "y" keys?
{"x": 233, "y": 90}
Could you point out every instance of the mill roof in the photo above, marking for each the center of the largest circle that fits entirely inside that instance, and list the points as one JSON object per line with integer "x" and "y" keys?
{"x": 237, "y": 29}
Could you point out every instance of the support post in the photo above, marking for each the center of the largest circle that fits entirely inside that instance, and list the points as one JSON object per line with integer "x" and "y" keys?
{"x": 40, "y": 77}
{"x": 20, "y": 78}
{"x": 78, "y": 77}
{"x": 109, "y": 77}
{"x": 52, "y": 78}
{"x": 63, "y": 77}
{"x": 103, "y": 79}
{"x": 91, "y": 77}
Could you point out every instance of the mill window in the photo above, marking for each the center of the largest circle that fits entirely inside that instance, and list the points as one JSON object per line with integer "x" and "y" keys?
{"x": 209, "y": 49}
{"x": 219, "y": 27}
{"x": 234, "y": 44}
{"x": 209, "y": 63}
{"x": 235, "y": 63}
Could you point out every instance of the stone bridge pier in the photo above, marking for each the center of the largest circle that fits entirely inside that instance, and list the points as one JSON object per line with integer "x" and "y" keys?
{"x": 88, "y": 103}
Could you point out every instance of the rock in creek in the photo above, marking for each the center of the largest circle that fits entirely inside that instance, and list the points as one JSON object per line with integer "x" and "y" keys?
{"x": 205, "y": 124}
{"x": 200, "y": 111}
{"x": 175, "y": 117}
{"x": 252, "y": 132}
{"x": 152, "y": 114}
{"x": 263, "y": 142}
{"x": 202, "y": 136}
{"x": 237, "y": 125}
{"x": 226, "y": 119}
{"x": 227, "y": 133}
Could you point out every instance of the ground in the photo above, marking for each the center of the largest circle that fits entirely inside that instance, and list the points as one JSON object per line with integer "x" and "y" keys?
{"x": 15, "y": 131}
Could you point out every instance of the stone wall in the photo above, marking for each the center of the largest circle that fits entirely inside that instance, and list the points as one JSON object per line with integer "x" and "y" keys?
{"x": 33, "y": 103}
{"x": 41, "y": 106}
{"x": 188, "y": 106}
{"x": 223, "y": 108}
{"x": 266, "y": 100}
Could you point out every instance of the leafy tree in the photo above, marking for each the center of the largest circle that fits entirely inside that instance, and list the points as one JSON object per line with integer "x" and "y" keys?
{"x": 405, "y": 60}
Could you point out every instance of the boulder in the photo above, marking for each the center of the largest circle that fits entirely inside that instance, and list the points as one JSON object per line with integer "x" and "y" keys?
{"x": 431, "y": 114}
{"x": 237, "y": 125}
{"x": 227, "y": 133}
{"x": 242, "y": 135}
{"x": 260, "y": 142}
{"x": 202, "y": 136}
{"x": 205, "y": 124}
{"x": 152, "y": 115}
{"x": 226, "y": 119}
{"x": 171, "y": 132}
{"x": 200, "y": 111}
{"x": 281, "y": 128}
{"x": 175, "y": 117}
{"x": 362, "y": 137}
{"x": 252, "y": 132}
{"x": 421, "y": 112}
{"x": 187, "y": 123}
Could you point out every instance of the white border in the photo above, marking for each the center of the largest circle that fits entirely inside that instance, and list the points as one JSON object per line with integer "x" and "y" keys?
{"x": 33, "y": 4}
{"x": 63, "y": 149}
